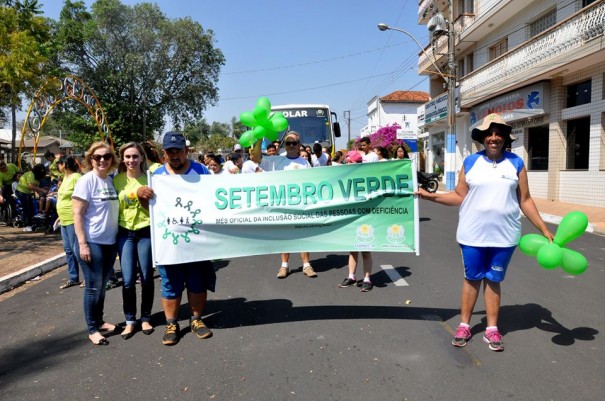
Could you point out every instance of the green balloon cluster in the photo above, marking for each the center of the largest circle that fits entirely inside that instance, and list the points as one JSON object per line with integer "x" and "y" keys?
{"x": 263, "y": 123}
{"x": 552, "y": 255}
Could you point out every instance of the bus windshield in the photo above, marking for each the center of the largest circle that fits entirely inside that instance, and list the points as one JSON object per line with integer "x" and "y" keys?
{"x": 312, "y": 124}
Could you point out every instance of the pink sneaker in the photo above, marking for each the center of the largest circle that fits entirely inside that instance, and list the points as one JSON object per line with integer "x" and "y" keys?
{"x": 494, "y": 339}
{"x": 463, "y": 334}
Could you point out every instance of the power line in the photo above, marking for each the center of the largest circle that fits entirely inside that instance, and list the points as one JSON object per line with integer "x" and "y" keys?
{"x": 304, "y": 89}
{"x": 284, "y": 67}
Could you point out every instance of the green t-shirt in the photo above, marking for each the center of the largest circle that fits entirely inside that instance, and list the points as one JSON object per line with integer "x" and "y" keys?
{"x": 64, "y": 205}
{"x": 25, "y": 180}
{"x": 7, "y": 178}
{"x": 55, "y": 173}
{"x": 154, "y": 166}
{"x": 133, "y": 216}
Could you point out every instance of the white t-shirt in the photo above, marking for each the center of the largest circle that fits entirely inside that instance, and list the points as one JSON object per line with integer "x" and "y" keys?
{"x": 276, "y": 163}
{"x": 370, "y": 157}
{"x": 228, "y": 166}
{"x": 319, "y": 161}
{"x": 249, "y": 167}
{"x": 490, "y": 215}
{"x": 102, "y": 213}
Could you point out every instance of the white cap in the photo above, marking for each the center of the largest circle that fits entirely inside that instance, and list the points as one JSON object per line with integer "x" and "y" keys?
{"x": 237, "y": 147}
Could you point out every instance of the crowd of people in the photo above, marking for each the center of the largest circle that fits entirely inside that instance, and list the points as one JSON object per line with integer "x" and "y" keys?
{"x": 103, "y": 212}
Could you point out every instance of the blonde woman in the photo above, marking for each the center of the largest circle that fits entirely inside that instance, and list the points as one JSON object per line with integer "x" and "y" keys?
{"x": 96, "y": 209}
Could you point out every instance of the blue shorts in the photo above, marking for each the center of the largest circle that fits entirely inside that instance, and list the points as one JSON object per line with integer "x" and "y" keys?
{"x": 197, "y": 277}
{"x": 486, "y": 262}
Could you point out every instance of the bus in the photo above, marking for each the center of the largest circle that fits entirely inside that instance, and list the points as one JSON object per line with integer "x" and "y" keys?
{"x": 313, "y": 122}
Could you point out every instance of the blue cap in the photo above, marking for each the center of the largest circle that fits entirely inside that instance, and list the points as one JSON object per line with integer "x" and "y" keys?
{"x": 174, "y": 140}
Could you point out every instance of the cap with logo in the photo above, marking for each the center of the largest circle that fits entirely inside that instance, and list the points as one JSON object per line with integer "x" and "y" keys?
{"x": 174, "y": 140}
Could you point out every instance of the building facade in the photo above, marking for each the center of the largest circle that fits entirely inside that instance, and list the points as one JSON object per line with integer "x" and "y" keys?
{"x": 541, "y": 67}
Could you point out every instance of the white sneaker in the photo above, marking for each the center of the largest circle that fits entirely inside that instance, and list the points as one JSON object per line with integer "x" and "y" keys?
{"x": 28, "y": 229}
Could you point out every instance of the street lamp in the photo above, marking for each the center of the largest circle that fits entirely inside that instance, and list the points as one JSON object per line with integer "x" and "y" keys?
{"x": 385, "y": 27}
{"x": 450, "y": 78}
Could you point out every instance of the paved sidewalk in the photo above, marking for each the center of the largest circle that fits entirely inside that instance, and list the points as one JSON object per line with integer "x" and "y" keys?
{"x": 551, "y": 212}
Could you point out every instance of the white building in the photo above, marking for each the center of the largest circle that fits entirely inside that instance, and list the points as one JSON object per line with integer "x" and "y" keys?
{"x": 539, "y": 64}
{"x": 399, "y": 107}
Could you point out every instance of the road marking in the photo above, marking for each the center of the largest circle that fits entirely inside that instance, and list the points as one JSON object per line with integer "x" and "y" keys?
{"x": 394, "y": 276}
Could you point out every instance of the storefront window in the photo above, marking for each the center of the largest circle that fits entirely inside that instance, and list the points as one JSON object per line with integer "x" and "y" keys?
{"x": 579, "y": 94}
{"x": 537, "y": 148}
{"x": 578, "y": 135}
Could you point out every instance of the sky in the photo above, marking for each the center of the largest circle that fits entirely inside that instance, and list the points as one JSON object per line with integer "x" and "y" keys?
{"x": 312, "y": 51}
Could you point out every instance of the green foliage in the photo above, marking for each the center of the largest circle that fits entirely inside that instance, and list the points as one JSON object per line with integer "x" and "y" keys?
{"x": 141, "y": 65}
{"x": 24, "y": 49}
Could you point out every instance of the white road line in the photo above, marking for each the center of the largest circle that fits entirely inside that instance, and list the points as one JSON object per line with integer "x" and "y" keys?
{"x": 394, "y": 276}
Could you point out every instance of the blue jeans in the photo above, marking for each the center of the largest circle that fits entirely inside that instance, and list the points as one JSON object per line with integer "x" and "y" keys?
{"x": 96, "y": 274}
{"x": 27, "y": 204}
{"x": 134, "y": 248}
{"x": 68, "y": 233}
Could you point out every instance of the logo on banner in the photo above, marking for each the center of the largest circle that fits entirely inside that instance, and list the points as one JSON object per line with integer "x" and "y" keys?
{"x": 180, "y": 222}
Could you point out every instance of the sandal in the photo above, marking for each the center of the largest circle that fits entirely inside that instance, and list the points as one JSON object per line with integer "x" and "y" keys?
{"x": 108, "y": 330}
{"x": 69, "y": 284}
{"x": 149, "y": 330}
{"x": 101, "y": 341}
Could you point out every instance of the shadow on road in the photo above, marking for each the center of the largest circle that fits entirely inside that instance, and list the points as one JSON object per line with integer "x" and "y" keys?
{"x": 529, "y": 316}
{"x": 238, "y": 312}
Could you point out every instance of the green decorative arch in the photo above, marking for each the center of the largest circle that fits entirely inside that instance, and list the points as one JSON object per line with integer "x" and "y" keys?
{"x": 53, "y": 92}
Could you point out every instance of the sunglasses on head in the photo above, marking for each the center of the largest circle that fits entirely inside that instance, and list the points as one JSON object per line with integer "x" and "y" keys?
{"x": 291, "y": 143}
{"x": 106, "y": 157}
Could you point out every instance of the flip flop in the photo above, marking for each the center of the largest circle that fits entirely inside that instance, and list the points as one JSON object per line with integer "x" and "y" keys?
{"x": 69, "y": 284}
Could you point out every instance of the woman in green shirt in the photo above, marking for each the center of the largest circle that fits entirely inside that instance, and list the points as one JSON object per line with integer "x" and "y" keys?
{"x": 28, "y": 185}
{"x": 134, "y": 238}
{"x": 69, "y": 167}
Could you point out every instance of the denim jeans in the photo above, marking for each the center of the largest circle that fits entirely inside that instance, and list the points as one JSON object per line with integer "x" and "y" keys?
{"x": 96, "y": 274}
{"x": 27, "y": 204}
{"x": 134, "y": 248}
{"x": 68, "y": 233}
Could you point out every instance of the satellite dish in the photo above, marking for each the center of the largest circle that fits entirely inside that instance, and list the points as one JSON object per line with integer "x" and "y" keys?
{"x": 437, "y": 24}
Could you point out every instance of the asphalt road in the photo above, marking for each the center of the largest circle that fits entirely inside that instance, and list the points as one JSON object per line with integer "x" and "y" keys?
{"x": 307, "y": 339}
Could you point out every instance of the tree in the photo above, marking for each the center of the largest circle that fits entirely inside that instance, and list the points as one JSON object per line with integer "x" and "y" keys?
{"x": 196, "y": 131}
{"x": 142, "y": 66}
{"x": 237, "y": 128}
{"x": 24, "y": 49}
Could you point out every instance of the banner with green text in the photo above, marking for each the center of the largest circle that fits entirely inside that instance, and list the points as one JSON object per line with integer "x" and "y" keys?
{"x": 353, "y": 207}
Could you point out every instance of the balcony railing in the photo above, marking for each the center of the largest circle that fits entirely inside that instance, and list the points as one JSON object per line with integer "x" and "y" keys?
{"x": 562, "y": 43}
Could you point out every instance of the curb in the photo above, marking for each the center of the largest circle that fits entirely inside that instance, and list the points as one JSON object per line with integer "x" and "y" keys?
{"x": 550, "y": 218}
{"x": 12, "y": 280}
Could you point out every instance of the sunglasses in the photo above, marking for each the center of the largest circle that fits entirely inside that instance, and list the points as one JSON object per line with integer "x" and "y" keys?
{"x": 290, "y": 143}
{"x": 106, "y": 157}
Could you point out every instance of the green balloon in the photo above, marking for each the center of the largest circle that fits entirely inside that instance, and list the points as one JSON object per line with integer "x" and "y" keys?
{"x": 549, "y": 256}
{"x": 259, "y": 132}
{"x": 247, "y": 119}
{"x": 247, "y": 139}
{"x": 278, "y": 121}
{"x": 272, "y": 135}
{"x": 260, "y": 114}
{"x": 265, "y": 103}
{"x": 530, "y": 244}
{"x": 571, "y": 227}
{"x": 573, "y": 262}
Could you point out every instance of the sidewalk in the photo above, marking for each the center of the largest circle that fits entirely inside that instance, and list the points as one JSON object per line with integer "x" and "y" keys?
{"x": 553, "y": 212}
{"x": 19, "y": 271}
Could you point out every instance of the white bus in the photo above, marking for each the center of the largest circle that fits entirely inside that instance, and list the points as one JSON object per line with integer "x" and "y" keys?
{"x": 314, "y": 123}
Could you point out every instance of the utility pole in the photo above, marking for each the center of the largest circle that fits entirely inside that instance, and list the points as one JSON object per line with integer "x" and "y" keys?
{"x": 347, "y": 116}
{"x": 450, "y": 161}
